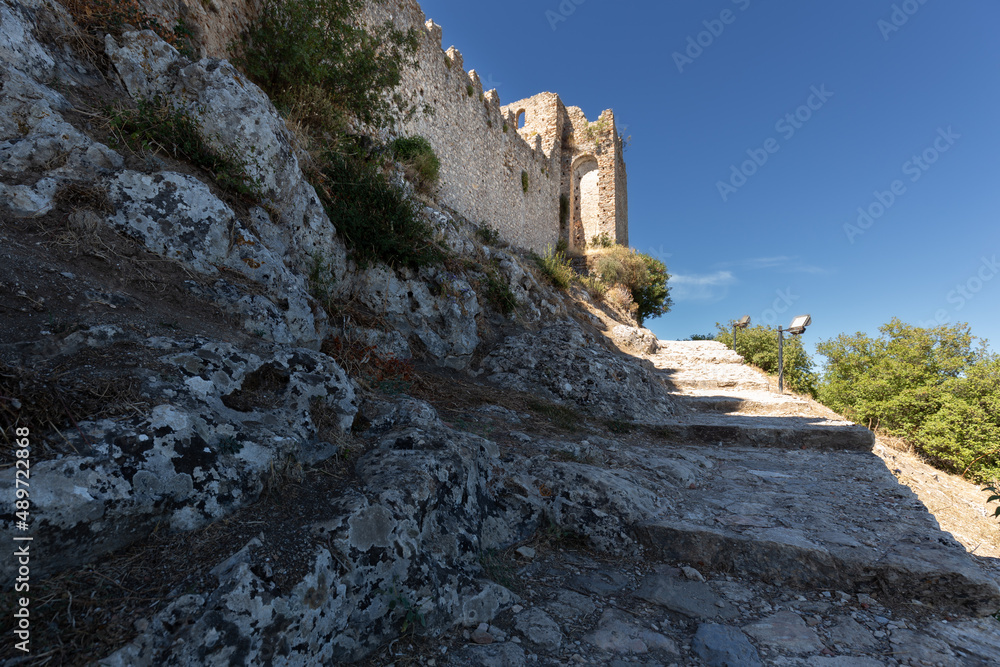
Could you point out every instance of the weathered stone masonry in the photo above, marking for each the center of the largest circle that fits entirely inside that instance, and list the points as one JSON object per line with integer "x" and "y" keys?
{"x": 483, "y": 152}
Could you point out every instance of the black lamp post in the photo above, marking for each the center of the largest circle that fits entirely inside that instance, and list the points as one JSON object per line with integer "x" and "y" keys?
{"x": 742, "y": 324}
{"x": 796, "y": 328}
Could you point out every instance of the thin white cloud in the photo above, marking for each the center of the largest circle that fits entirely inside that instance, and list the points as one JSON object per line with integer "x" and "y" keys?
{"x": 701, "y": 287}
{"x": 783, "y": 263}
{"x": 755, "y": 263}
{"x": 808, "y": 268}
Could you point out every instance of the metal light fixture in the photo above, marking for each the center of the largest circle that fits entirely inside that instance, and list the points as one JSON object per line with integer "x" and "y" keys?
{"x": 799, "y": 324}
{"x": 742, "y": 324}
{"x": 796, "y": 328}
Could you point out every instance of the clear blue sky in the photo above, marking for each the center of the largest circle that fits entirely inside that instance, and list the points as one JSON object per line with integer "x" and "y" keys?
{"x": 886, "y": 85}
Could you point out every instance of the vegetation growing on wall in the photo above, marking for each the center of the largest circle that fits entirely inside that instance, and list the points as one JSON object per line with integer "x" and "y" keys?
{"x": 594, "y": 131}
{"x": 422, "y": 165}
{"x": 299, "y": 47}
{"x": 602, "y": 240}
{"x": 327, "y": 74}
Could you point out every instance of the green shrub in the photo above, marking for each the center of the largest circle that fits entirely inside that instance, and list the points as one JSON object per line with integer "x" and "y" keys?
{"x": 556, "y": 268}
{"x": 644, "y": 276}
{"x": 595, "y": 288}
{"x": 759, "y": 346}
{"x": 498, "y": 292}
{"x": 602, "y": 240}
{"x": 156, "y": 126}
{"x": 524, "y": 181}
{"x": 487, "y": 235}
{"x": 377, "y": 221}
{"x": 469, "y": 89}
{"x": 420, "y": 160}
{"x": 932, "y": 386}
{"x": 294, "y": 45}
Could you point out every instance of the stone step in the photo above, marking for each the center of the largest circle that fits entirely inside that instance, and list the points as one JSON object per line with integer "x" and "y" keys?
{"x": 827, "y": 520}
{"x": 689, "y": 381}
{"x": 721, "y": 404}
{"x": 794, "y": 433}
{"x": 749, "y": 402}
{"x": 731, "y": 376}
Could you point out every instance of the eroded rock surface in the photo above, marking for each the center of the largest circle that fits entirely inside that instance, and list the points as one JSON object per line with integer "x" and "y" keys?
{"x": 236, "y": 116}
{"x": 412, "y": 531}
{"x": 561, "y": 363}
{"x": 223, "y": 418}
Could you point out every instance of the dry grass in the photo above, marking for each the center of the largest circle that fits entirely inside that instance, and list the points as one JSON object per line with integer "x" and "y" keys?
{"x": 53, "y": 398}
{"x": 620, "y": 300}
{"x": 958, "y": 505}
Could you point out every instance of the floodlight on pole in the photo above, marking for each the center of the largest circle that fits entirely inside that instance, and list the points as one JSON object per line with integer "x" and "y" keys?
{"x": 743, "y": 323}
{"x": 796, "y": 328}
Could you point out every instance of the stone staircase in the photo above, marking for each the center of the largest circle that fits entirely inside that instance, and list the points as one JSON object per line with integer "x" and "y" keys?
{"x": 770, "y": 534}
{"x": 822, "y": 512}
{"x": 725, "y": 402}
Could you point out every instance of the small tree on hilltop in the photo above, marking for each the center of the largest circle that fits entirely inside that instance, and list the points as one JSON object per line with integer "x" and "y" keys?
{"x": 645, "y": 277}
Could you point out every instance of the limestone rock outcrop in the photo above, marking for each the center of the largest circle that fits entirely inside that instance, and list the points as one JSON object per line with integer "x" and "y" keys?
{"x": 224, "y": 418}
{"x": 236, "y": 116}
{"x": 561, "y": 363}
{"x": 412, "y": 531}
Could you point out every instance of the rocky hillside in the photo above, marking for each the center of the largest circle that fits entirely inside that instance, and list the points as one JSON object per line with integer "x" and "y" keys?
{"x": 244, "y": 448}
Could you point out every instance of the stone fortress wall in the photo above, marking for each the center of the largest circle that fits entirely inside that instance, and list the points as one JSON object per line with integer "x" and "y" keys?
{"x": 577, "y": 186}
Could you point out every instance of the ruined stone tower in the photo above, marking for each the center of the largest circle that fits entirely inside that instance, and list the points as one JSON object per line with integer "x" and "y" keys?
{"x": 536, "y": 170}
{"x": 593, "y": 187}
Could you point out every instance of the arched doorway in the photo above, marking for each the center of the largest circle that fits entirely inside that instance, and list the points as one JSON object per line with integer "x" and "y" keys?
{"x": 585, "y": 202}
